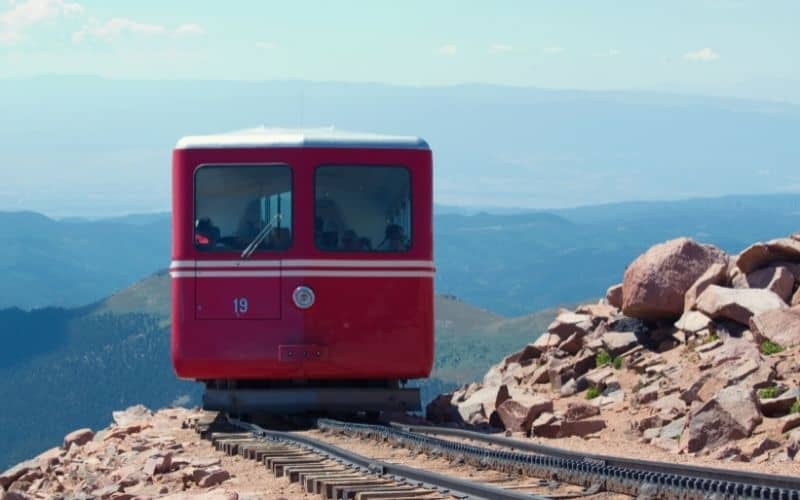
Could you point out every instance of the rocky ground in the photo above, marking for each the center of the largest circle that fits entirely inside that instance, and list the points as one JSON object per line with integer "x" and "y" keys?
{"x": 142, "y": 455}
{"x": 695, "y": 357}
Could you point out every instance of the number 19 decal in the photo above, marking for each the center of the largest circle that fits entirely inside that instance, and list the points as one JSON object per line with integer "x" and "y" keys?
{"x": 240, "y": 306}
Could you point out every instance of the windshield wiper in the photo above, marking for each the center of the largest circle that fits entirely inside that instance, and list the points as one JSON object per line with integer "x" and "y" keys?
{"x": 249, "y": 249}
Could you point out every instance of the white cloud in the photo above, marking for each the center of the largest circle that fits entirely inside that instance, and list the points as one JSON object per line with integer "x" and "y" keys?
{"x": 266, "y": 45}
{"x": 554, "y": 49}
{"x": 607, "y": 53}
{"x": 448, "y": 49}
{"x": 189, "y": 29}
{"x": 115, "y": 28}
{"x": 705, "y": 54}
{"x": 26, "y": 14}
{"x": 500, "y": 47}
{"x": 119, "y": 27}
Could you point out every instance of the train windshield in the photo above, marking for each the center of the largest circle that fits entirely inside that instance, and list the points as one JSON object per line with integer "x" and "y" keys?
{"x": 233, "y": 204}
{"x": 362, "y": 209}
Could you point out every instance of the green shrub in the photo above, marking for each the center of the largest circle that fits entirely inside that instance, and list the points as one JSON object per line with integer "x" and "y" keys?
{"x": 795, "y": 408}
{"x": 711, "y": 338}
{"x": 603, "y": 358}
{"x": 769, "y": 347}
{"x": 593, "y": 392}
{"x": 768, "y": 392}
{"x": 617, "y": 362}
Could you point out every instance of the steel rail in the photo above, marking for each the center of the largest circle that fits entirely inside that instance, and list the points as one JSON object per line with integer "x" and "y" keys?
{"x": 449, "y": 485}
{"x": 703, "y": 472}
{"x": 627, "y": 476}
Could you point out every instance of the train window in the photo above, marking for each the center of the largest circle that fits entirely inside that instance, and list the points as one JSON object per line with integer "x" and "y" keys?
{"x": 235, "y": 204}
{"x": 362, "y": 209}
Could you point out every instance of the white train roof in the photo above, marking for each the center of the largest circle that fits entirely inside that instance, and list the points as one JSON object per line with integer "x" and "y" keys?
{"x": 322, "y": 137}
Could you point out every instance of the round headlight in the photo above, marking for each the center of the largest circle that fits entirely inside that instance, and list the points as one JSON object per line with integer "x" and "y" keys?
{"x": 303, "y": 297}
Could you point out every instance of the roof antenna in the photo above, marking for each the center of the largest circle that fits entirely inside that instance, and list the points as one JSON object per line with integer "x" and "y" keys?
{"x": 302, "y": 103}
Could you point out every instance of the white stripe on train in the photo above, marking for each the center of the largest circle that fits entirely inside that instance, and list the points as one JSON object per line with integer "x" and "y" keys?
{"x": 301, "y": 273}
{"x": 302, "y": 263}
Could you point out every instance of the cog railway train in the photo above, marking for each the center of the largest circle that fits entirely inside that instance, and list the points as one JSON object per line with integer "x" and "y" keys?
{"x": 302, "y": 269}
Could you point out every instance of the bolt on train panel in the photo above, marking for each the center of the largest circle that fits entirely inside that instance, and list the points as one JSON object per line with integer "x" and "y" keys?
{"x": 302, "y": 268}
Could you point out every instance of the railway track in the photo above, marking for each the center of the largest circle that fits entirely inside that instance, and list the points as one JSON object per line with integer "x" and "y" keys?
{"x": 334, "y": 472}
{"x": 324, "y": 462}
{"x": 613, "y": 474}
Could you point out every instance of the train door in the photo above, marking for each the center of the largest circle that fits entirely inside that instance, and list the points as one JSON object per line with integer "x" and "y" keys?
{"x": 243, "y": 221}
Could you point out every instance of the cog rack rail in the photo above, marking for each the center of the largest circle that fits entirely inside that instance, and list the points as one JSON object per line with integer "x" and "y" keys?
{"x": 621, "y": 475}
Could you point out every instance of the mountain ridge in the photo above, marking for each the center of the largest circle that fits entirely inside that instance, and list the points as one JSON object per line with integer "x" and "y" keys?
{"x": 508, "y": 263}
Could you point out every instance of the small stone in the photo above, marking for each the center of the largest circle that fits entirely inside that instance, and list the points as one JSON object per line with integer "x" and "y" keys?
{"x": 581, "y": 427}
{"x": 579, "y": 411}
{"x": 739, "y": 304}
{"x": 158, "y": 464}
{"x": 779, "y": 326}
{"x": 213, "y": 477}
{"x": 647, "y": 394}
{"x": 732, "y": 414}
{"x": 789, "y": 422}
{"x": 673, "y": 429}
{"x": 778, "y": 279}
{"x": 598, "y": 376}
{"x": 708, "y": 346}
{"x": 569, "y": 388}
{"x": 79, "y": 438}
{"x": 739, "y": 371}
{"x": 131, "y": 415}
{"x": 779, "y": 405}
{"x": 568, "y": 323}
{"x": 603, "y": 311}
{"x": 716, "y": 274}
{"x": 762, "y": 254}
{"x": 544, "y": 419}
{"x": 763, "y": 446}
{"x": 693, "y": 322}
{"x": 614, "y": 295}
{"x": 204, "y": 463}
{"x": 619, "y": 342}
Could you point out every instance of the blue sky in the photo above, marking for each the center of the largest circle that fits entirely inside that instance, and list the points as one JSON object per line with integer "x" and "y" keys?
{"x": 713, "y": 47}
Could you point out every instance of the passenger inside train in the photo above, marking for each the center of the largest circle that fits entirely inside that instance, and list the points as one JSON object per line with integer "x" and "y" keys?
{"x": 357, "y": 208}
{"x": 234, "y": 204}
{"x": 363, "y": 209}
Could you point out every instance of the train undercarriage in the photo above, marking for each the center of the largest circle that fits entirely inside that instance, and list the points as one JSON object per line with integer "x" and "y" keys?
{"x": 310, "y": 396}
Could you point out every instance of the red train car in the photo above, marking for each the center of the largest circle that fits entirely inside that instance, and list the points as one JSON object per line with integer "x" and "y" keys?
{"x": 302, "y": 269}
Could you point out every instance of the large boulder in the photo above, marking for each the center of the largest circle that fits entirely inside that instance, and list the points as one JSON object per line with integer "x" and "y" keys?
{"x": 779, "y": 326}
{"x": 656, "y": 282}
{"x": 716, "y": 274}
{"x": 778, "y": 279}
{"x": 762, "y": 254}
{"x": 737, "y": 304}
{"x": 732, "y": 414}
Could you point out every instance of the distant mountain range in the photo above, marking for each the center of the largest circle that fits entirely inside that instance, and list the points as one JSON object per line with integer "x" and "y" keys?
{"x": 86, "y": 145}
{"x": 67, "y": 368}
{"x": 510, "y": 264}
